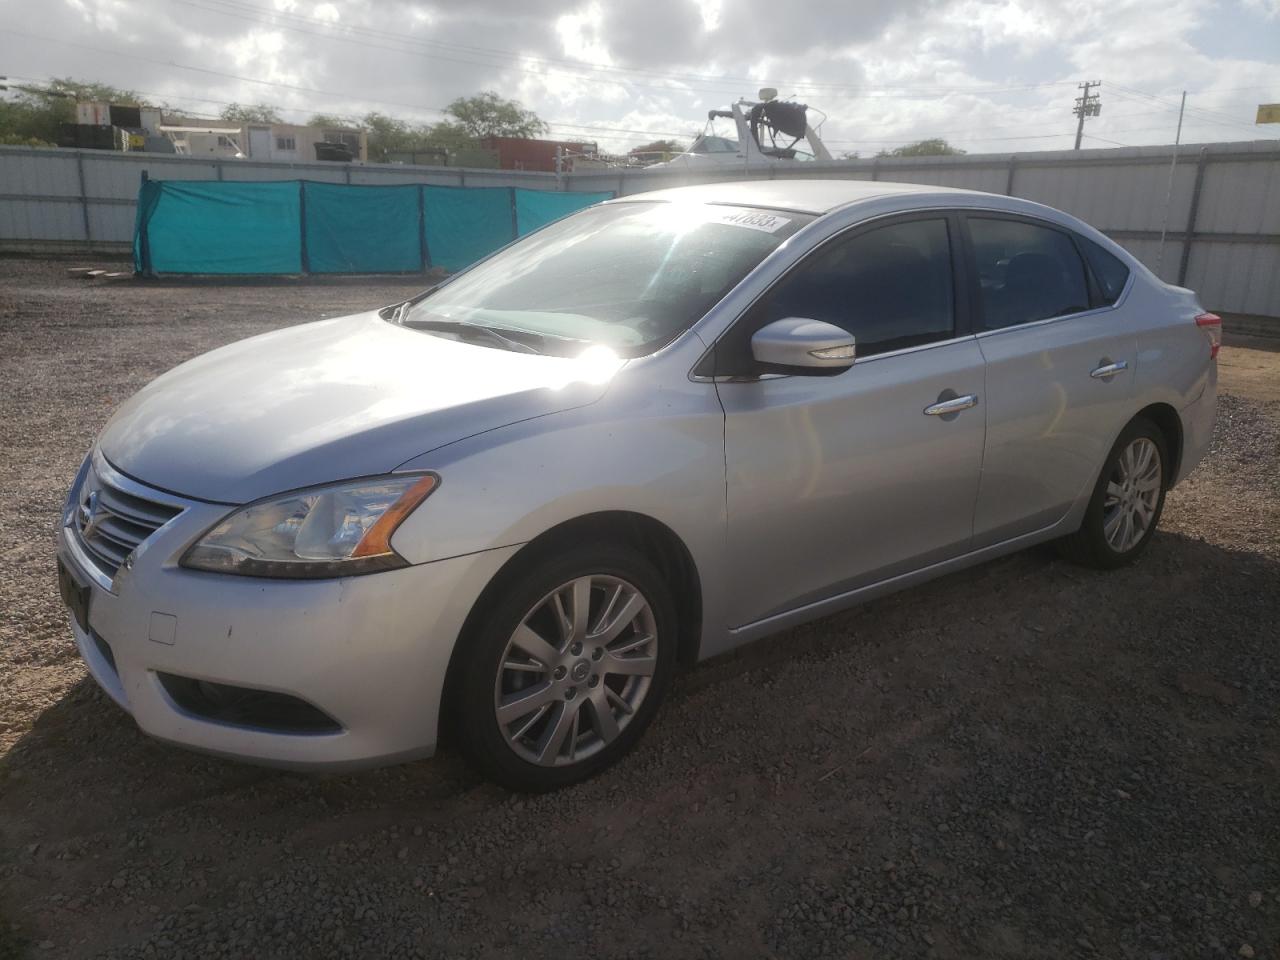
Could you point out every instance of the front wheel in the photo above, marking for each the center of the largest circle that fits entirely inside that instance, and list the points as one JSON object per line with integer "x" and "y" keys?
{"x": 562, "y": 676}
{"x": 1127, "y": 500}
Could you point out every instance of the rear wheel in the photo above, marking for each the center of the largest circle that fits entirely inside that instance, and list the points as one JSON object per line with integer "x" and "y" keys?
{"x": 1127, "y": 500}
{"x": 564, "y": 674}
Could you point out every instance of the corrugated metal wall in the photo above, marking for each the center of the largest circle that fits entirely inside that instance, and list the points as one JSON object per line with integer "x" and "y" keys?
{"x": 1222, "y": 220}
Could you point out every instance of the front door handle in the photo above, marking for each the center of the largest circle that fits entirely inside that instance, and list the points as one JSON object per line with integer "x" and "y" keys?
{"x": 954, "y": 405}
{"x": 1109, "y": 370}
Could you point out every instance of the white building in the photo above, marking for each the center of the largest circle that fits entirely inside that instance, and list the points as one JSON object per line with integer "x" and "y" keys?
{"x": 263, "y": 141}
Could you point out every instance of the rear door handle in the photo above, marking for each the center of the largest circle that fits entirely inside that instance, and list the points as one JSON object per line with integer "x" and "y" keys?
{"x": 1108, "y": 370}
{"x": 955, "y": 405}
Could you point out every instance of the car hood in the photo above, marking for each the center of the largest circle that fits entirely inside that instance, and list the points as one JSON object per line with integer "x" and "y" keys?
{"x": 326, "y": 401}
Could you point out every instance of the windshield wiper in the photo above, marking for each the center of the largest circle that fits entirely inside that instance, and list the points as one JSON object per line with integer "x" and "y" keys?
{"x": 466, "y": 328}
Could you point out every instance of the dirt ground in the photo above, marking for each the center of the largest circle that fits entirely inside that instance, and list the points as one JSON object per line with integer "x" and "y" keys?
{"x": 1027, "y": 759}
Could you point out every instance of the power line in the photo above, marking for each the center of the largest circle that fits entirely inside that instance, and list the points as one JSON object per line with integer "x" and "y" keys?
{"x": 1256, "y": 86}
{"x": 1223, "y": 118}
{"x": 302, "y": 89}
{"x": 601, "y": 132}
{"x": 297, "y": 88}
{"x": 205, "y": 70}
{"x": 1004, "y": 126}
{"x": 626, "y": 133}
{"x": 1090, "y": 136}
{"x": 290, "y": 20}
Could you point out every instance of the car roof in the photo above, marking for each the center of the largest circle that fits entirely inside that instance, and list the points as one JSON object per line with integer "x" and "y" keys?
{"x": 799, "y": 196}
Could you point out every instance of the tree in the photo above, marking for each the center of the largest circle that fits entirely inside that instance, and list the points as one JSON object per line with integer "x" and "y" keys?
{"x": 34, "y": 115}
{"x": 936, "y": 147}
{"x": 250, "y": 113}
{"x": 489, "y": 115}
{"x": 387, "y": 135}
{"x": 391, "y": 135}
{"x": 658, "y": 146}
{"x": 447, "y": 135}
{"x": 327, "y": 120}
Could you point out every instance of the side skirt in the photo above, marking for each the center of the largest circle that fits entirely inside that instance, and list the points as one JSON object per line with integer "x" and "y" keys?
{"x": 843, "y": 601}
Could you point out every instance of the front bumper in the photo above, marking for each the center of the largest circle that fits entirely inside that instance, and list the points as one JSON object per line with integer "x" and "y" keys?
{"x": 371, "y": 652}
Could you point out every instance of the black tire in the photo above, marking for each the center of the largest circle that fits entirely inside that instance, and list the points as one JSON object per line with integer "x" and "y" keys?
{"x": 1089, "y": 545}
{"x": 473, "y": 694}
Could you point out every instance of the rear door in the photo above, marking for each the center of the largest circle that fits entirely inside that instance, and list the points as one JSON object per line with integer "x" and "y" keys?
{"x": 835, "y": 482}
{"x": 1060, "y": 369}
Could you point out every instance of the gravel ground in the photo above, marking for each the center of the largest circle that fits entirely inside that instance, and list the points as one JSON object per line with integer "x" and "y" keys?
{"x": 1027, "y": 759}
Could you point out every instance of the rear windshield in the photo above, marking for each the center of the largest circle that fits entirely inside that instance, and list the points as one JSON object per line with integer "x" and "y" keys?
{"x": 630, "y": 276}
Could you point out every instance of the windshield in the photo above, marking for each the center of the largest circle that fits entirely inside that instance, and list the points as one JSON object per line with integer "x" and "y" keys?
{"x": 629, "y": 276}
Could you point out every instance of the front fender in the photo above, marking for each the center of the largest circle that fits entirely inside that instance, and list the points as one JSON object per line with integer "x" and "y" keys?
{"x": 652, "y": 450}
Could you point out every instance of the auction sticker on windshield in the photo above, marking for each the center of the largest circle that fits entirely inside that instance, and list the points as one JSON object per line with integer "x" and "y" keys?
{"x": 755, "y": 220}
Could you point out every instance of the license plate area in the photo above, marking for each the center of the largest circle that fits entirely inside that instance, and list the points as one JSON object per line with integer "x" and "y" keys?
{"x": 74, "y": 594}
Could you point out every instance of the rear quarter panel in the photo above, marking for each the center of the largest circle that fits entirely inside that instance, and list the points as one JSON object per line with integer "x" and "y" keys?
{"x": 1174, "y": 365}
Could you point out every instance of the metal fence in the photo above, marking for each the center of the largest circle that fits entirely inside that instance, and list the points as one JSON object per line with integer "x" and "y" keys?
{"x": 1219, "y": 211}
{"x": 53, "y": 199}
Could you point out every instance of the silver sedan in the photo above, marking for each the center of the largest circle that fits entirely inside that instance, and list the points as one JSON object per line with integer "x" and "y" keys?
{"x": 660, "y": 428}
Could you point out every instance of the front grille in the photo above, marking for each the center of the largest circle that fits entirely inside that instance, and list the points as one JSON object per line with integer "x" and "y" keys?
{"x": 110, "y": 522}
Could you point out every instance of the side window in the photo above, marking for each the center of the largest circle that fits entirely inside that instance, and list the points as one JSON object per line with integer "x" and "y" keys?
{"x": 890, "y": 287}
{"x": 1108, "y": 269}
{"x": 1026, "y": 272}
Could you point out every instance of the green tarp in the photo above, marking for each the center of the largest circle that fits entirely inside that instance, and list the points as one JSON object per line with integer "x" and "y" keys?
{"x": 297, "y": 227}
{"x": 537, "y": 208}
{"x": 362, "y": 229}
{"x": 464, "y": 224}
{"x": 220, "y": 227}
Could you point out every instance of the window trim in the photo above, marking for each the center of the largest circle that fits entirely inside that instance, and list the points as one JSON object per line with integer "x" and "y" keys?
{"x": 1094, "y": 277}
{"x": 961, "y": 293}
{"x": 1091, "y": 281}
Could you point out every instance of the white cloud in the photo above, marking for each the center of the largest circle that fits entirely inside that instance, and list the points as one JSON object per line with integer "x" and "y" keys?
{"x": 1268, "y": 8}
{"x": 581, "y": 35}
{"x": 102, "y": 15}
{"x": 883, "y": 70}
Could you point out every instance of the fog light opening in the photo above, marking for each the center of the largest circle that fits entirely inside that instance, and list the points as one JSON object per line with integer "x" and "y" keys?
{"x": 247, "y": 707}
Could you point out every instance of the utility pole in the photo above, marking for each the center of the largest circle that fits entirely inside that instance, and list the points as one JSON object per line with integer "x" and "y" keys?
{"x": 1168, "y": 196}
{"x": 1087, "y": 105}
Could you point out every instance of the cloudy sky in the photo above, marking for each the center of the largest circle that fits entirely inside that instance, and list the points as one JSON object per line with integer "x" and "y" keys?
{"x": 988, "y": 75}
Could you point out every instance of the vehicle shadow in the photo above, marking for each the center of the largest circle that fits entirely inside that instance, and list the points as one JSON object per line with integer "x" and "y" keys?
{"x": 1166, "y": 668}
{"x": 85, "y": 747}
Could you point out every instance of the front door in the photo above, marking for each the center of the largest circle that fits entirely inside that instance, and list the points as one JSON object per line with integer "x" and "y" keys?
{"x": 837, "y": 482}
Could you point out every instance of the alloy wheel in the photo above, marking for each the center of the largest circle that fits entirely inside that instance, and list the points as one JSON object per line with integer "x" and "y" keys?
{"x": 576, "y": 670}
{"x": 1133, "y": 494}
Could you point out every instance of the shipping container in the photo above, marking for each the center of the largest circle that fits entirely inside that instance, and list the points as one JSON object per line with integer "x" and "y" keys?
{"x": 518, "y": 153}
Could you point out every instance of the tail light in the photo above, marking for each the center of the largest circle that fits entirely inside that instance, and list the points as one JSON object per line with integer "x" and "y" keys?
{"x": 1211, "y": 324}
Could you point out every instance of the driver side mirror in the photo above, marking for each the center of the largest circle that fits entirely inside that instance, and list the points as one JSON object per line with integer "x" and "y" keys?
{"x": 803, "y": 347}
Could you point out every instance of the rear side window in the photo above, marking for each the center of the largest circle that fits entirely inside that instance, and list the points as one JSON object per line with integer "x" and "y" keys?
{"x": 890, "y": 287}
{"x": 1026, "y": 272}
{"x": 1108, "y": 269}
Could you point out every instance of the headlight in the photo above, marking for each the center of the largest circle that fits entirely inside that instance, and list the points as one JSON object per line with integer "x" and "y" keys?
{"x": 333, "y": 531}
